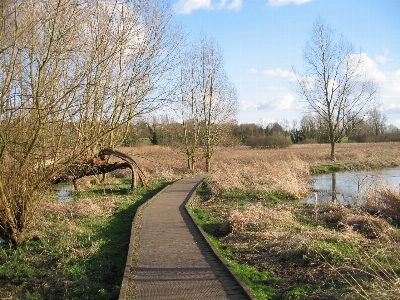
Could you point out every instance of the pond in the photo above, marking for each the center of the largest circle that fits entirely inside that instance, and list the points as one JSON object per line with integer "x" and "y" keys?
{"x": 345, "y": 187}
{"x": 63, "y": 192}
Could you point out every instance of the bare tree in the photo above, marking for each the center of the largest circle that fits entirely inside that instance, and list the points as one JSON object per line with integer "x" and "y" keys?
{"x": 376, "y": 121}
{"x": 188, "y": 106}
{"x": 73, "y": 76}
{"x": 218, "y": 97}
{"x": 334, "y": 86}
{"x": 208, "y": 99}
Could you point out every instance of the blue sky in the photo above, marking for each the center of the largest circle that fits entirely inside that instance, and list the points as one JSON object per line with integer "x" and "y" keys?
{"x": 262, "y": 41}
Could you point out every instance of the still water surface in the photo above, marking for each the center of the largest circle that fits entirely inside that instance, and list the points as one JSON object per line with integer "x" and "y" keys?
{"x": 347, "y": 187}
{"x": 63, "y": 192}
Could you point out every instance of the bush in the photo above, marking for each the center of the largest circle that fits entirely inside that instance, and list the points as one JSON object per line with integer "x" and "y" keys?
{"x": 383, "y": 137}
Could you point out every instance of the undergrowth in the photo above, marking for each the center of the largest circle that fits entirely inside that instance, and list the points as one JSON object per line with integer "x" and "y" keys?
{"x": 77, "y": 249}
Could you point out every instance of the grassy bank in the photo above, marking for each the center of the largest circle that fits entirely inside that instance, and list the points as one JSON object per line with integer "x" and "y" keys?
{"x": 77, "y": 249}
{"x": 286, "y": 250}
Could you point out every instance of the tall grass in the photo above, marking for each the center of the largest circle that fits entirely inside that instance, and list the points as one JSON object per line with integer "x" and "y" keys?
{"x": 255, "y": 167}
{"x": 345, "y": 252}
{"x": 268, "y": 170}
{"x": 385, "y": 201}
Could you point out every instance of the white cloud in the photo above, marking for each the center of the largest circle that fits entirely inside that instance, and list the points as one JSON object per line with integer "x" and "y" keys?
{"x": 389, "y": 82}
{"x": 281, "y": 73}
{"x": 389, "y": 86}
{"x": 252, "y": 71}
{"x": 188, "y": 6}
{"x": 383, "y": 59}
{"x": 286, "y": 2}
{"x": 266, "y": 121}
{"x": 235, "y": 5}
{"x": 283, "y": 103}
{"x": 247, "y": 105}
{"x": 370, "y": 68}
{"x": 220, "y": 5}
{"x": 392, "y": 83}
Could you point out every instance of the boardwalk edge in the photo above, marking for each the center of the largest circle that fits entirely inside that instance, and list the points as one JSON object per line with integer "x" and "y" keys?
{"x": 133, "y": 246}
{"x": 246, "y": 290}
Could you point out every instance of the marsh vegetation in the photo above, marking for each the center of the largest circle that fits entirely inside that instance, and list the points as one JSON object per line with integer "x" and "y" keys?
{"x": 288, "y": 250}
{"x": 251, "y": 208}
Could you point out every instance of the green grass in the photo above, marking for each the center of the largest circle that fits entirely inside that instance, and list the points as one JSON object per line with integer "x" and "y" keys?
{"x": 75, "y": 256}
{"x": 263, "y": 283}
{"x": 326, "y": 169}
{"x": 260, "y": 282}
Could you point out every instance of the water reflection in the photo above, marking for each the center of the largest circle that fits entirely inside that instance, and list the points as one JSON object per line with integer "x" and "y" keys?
{"x": 63, "y": 193}
{"x": 346, "y": 187}
{"x": 334, "y": 195}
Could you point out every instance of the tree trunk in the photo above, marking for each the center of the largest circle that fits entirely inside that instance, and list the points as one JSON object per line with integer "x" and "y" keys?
{"x": 208, "y": 163}
{"x": 193, "y": 163}
{"x": 332, "y": 151}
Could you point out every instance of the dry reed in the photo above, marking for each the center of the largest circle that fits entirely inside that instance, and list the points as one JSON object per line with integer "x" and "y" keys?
{"x": 283, "y": 170}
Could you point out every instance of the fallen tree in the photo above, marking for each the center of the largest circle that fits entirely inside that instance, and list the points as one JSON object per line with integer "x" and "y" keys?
{"x": 100, "y": 165}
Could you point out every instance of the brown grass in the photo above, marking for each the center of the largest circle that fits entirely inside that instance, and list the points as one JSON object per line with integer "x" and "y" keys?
{"x": 287, "y": 169}
{"x": 159, "y": 162}
{"x": 300, "y": 246}
{"x": 305, "y": 252}
{"x": 264, "y": 170}
{"x": 283, "y": 170}
{"x": 384, "y": 201}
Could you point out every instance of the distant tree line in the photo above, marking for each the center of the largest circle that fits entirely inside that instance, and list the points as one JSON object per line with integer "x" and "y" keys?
{"x": 165, "y": 131}
{"x": 371, "y": 128}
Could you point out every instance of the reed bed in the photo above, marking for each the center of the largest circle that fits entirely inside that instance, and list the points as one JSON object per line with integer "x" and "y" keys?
{"x": 262, "y": 170}
{"x": 285, "y": 170}
{"x": 159, "y": 162}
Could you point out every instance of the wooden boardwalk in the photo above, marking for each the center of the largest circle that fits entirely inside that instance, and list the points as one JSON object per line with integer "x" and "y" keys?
{"x": 174, "y": 259}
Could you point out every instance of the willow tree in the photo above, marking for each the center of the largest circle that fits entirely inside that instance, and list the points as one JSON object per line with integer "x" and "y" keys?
{"x": 74, "y": 74}
{"x": 334, "y": 85}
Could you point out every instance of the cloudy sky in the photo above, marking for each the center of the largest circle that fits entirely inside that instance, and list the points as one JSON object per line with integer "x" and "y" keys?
{"x": 262, "y": 42}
